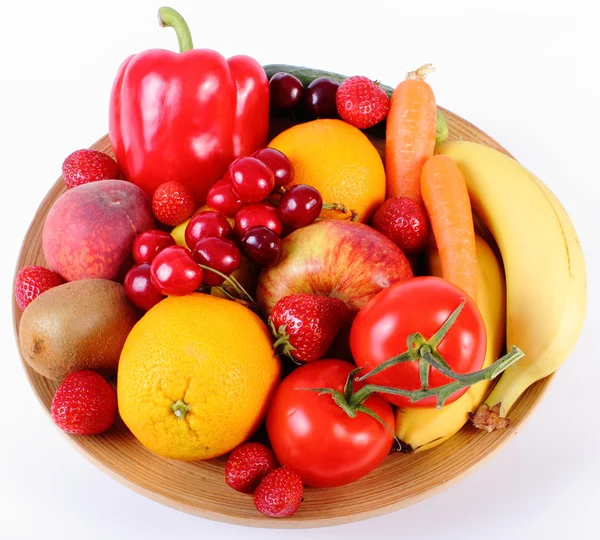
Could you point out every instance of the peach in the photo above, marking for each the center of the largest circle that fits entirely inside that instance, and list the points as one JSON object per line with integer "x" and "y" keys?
{"x": 90, "y": 229}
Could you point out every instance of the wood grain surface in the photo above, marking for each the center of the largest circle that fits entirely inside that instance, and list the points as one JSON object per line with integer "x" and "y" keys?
{"x": 200, "y": 489}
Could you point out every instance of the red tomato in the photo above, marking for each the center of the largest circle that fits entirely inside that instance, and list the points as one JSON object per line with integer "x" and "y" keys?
{"x": 312, "y": 435}
{"x": 381, "y": 328}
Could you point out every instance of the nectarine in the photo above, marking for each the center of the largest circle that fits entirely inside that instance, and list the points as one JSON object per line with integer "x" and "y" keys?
{"x": 90, "y": 229}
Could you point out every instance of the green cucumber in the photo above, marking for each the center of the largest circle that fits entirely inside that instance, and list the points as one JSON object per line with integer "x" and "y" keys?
{"x": 307, "y": 75}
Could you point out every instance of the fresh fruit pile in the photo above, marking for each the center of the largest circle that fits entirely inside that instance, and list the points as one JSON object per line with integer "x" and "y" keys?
{"x": 221, "y": 281}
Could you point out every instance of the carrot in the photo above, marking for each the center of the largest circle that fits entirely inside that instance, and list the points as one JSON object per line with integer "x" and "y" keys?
{"x": 447, "y": 203}
{"x": 410, "y": 134}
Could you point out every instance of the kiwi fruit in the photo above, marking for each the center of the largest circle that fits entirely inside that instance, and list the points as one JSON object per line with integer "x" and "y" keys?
{"x": 78, "y": 325}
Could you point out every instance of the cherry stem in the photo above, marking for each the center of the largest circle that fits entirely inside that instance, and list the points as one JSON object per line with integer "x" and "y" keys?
{"x": 243, "y": 295}
{"x": 168, "y": 17}
{"x": 226, "y": 292}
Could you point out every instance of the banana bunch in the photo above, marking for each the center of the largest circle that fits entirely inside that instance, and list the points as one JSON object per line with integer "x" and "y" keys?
{"x": 546, "y": 290}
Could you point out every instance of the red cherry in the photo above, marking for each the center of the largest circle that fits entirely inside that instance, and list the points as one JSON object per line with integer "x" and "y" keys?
{"x": 285, "y": 91}
{"x": 252, "y": 180}
{"x": 205, "y": 224}
{"x": 261, "y": 245}
{"x": 149, "y": 243}
{"x": 222, "y": 198}
{"x": 218, "y": 253}
{"x": 175, "y": 272}
{"x": 278, "y": 163}
{"x": 300, "y": 205}
{"x": 257, "y": 215}
{"x": 139, "y": 288}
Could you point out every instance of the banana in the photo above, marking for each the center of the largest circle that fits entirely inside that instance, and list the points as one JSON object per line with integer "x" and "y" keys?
{"x": 543, "y": 263}
{"x": 423, "y": 428}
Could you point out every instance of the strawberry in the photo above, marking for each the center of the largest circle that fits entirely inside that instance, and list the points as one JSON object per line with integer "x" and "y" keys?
{"x": 404, "y": 222}
{"x": 84, "y": 404}
{"x": 172, "y": 203}
{"x": 305, "y": 325}
{"x": 247, "y": 465}
{"x": 279, "y": 494}
{"x": 361, "y": 102}
{"x": 32, "y": 281}
{"x": 83, "y": 166}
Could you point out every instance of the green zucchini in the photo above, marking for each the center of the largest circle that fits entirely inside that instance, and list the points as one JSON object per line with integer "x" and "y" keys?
{"x": 307, "y": 75}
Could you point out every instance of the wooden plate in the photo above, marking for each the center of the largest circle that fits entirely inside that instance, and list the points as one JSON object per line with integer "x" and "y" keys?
{"x": 200, "y": 489}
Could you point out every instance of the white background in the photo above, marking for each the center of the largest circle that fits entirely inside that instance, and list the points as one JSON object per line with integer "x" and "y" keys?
{"x": 525, "y": 72}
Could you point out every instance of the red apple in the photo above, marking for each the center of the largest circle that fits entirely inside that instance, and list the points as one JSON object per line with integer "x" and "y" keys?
{"x": 346, "y": 260}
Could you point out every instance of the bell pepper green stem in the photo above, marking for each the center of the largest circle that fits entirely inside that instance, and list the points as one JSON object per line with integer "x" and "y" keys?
{"x": 169, "y": 17}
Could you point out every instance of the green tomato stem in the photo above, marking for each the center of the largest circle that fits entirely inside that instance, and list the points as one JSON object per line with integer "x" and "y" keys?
{"x": 442, "y": 393}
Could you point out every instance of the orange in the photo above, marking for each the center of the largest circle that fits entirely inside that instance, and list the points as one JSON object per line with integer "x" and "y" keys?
{"x": 338, "y": 160}
{"x": 195, "y": 376}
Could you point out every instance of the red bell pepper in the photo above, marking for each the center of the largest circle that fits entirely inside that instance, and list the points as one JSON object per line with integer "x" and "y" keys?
{"x": 185, "y": 116}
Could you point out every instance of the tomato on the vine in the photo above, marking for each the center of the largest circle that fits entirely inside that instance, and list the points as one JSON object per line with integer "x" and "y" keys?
{"x": 313, "y": 435}
{"x": 381, "y": 330}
